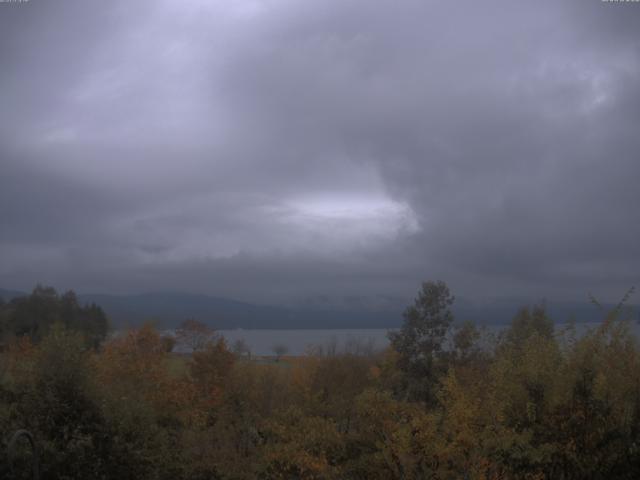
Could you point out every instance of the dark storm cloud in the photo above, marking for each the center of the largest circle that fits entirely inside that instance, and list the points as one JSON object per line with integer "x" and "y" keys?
{"x": 278, "y": 149}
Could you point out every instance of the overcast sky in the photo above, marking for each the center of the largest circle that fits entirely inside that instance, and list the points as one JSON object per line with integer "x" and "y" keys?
{"x": 272, "y": 150}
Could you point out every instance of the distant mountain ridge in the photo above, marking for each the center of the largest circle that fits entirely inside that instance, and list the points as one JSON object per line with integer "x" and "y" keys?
{"x": 7, "y": 295}
{"x": 168, "y": 309}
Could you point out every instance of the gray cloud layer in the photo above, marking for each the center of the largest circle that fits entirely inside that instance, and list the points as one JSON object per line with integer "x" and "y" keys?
{"x": 274, "y": 149}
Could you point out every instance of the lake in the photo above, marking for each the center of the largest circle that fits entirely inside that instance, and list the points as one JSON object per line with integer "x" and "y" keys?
{"x": 261, "y": 342}
{"x": 299, "y": 341}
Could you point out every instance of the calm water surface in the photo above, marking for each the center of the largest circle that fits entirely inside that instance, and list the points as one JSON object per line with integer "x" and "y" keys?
{"x": 261, "y": 342}
{"x": 298, "y": 342}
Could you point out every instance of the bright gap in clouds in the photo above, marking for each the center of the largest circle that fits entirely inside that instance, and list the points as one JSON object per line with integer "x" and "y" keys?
{"x": 319, "y": 224}
{"x": 347, "y": 207}
{"x": 349, "y": 221}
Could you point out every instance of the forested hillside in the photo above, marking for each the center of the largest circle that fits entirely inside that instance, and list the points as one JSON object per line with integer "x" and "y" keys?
{"x": 532, "y": 403}
{"x": 168, "y": 309}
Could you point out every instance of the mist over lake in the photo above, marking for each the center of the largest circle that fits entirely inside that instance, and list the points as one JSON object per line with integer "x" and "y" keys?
{"x": 299, "y": 342}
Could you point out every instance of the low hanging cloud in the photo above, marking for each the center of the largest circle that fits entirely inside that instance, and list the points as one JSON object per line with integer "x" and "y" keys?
{"x": 272, "y": 150}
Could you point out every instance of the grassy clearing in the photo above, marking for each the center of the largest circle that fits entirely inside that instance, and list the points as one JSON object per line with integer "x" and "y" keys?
{"x": 177, "y": 364}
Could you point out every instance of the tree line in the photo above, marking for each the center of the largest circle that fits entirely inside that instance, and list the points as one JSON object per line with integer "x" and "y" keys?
{"x": 34, "y": 315}
{"x": 443, "y": 401}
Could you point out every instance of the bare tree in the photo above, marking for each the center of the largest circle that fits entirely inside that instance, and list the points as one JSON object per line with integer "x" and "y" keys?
{"x": 241, "y": 349}
{"x": 279, "y": 349}
{"x": 194, "y": 335}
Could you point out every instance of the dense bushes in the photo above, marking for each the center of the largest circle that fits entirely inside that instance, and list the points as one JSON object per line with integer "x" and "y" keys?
{"x": 533, "y": 403}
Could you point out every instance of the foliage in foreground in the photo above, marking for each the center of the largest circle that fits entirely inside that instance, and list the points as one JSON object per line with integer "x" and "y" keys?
{"x": 441, "y": 403}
